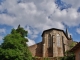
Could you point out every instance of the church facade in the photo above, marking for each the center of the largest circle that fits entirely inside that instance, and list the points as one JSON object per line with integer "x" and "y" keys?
{"x": 55, "y": 42}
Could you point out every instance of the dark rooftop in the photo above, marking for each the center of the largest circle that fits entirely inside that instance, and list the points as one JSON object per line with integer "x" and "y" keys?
{"x": 55, "y": 29}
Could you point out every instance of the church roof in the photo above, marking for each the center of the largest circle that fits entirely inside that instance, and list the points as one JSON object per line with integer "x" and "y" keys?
{"x": 57, "y": 30}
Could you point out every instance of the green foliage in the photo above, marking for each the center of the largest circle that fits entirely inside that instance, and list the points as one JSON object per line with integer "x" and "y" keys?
{"x": 21, "y": 31}
{"x": 46, "y": 59}
{"x": 68, "y": 56}
{"x": 14, "y": 46}
{"x": 41, "y": 58}
{"x": 72, "y": 44}
{"x": 71, "y": 57}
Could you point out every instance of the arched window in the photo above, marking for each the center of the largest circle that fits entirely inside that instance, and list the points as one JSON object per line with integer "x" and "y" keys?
{"x": 50, "y": 41}
{"x": 58, "y": 40}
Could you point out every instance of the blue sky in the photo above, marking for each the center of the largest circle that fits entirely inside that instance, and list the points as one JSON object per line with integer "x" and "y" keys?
{"x": 39, "y": 15}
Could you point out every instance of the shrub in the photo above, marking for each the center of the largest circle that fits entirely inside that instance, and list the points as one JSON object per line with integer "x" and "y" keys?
{"x": 72, "y": 57}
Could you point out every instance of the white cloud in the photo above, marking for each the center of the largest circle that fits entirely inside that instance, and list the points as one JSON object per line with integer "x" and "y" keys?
{"x": 74, "y": 3}
{"x": 29, "y": 30}
{"x": 39, "y": 15}
{"x": 31, "y": 42}
{"x": 28, "y": 13}
{"x": 33, "y": 33}
{"x": 2, "y": 31}
{"x": 1, "y": 38}
{"x": 36, "y": 14}
{"x": 78, "y": 30}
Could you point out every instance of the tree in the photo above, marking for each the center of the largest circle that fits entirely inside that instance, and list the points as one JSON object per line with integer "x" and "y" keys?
{"x": 14, "y": 46}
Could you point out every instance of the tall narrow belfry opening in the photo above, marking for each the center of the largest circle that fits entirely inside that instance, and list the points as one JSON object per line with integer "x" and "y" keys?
{"x": 50, "y": 46}
{"x": 50, "y": 42}
{"x": 63, "y": 46}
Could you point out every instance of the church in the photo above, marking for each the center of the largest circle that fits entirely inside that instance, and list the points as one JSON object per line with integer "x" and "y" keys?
{"x": 55, "y": 42}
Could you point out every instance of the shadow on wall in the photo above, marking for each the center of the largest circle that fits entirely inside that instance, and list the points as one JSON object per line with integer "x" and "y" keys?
{"x": 39, "y": 50}
{"x": 50, "y": 52}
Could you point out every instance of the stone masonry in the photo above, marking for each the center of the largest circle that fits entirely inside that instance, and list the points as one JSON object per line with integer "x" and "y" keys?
{"x": 55, "y": 42}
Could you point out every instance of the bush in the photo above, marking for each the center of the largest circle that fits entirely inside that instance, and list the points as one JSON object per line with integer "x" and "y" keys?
{"x": 72, "y": 57}
{"x": 40, "y": 58}
{"x": 46, "y": 59}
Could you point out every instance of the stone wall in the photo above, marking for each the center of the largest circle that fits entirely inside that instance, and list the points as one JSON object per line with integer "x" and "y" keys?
{"x": 36, "y": 49}
{"x": 42, "y": 49}
{"x": 57, "y": 50}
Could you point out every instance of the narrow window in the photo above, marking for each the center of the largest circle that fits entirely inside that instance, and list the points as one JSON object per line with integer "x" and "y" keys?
{"x": 49, "y": 38}
{"x": 63, "y": 45}
{"x": 58, "y": 40}
{"x": 49, "y": 41}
